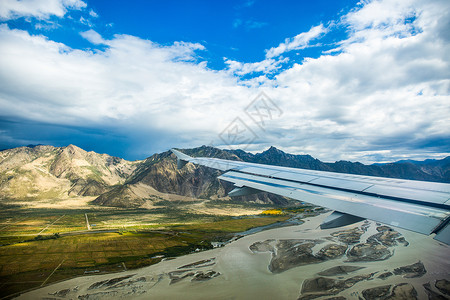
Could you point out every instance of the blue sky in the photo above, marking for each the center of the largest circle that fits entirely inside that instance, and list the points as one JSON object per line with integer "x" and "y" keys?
{"x": 237, "y": 30}
{"x": 365, "y": 81}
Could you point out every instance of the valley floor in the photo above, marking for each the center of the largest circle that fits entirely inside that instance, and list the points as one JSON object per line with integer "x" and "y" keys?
{"x": 45, "y": 244}
{"x": 361, "y": 261}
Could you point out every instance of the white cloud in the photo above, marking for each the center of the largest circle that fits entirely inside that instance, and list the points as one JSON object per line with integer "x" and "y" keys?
{"x": 93, "y": 37}
{"x": 133, "y": 84}
{"x": 93, "y": 14}
{"x": 40, "y": 9}
{"x": 300, "y": 41}
{"x": 85, "y": 21}
{"x": 386, "y": 15}
{"x": 386, "y": 92}
{"x": 383, "y": 96}
{"x": 265, "y": 66}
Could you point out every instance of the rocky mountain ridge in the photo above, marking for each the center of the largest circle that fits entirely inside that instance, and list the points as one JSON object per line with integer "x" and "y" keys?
{"x": 51, "y": 172}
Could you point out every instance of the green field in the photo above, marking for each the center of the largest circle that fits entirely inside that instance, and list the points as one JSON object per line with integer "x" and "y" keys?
{"x": 44, "y": 246}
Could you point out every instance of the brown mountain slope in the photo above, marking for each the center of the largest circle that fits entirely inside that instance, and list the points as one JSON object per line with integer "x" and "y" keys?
{"x": 46, "y": 172}
{"x": 160, "y": 173}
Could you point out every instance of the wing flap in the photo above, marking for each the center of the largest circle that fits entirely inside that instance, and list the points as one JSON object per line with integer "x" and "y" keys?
{"x": 444, "y": 235}
{"x": 338, "y": 219}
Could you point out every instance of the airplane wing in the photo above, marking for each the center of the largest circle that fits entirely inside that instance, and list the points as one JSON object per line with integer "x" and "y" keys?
{"x": 419, "y": 206}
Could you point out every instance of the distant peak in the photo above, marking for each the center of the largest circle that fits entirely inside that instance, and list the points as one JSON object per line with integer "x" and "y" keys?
{"x": 72, "y": 146}
{"x": 33, "y": 145}
{"x": 207, "y": 147}
{"x": 72, "y": 149}
{"x": 273, "y": 150}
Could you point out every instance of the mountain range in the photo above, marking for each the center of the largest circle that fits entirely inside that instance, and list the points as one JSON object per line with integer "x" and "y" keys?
{"x": 47, "y": 172}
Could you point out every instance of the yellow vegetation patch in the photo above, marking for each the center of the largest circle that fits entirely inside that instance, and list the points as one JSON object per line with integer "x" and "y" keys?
{"x": 272, "y": 212}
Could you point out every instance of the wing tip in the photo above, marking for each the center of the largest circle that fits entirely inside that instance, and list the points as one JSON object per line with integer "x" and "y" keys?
{"x": 180, "y": 155}
{"x": 182, "y": 159}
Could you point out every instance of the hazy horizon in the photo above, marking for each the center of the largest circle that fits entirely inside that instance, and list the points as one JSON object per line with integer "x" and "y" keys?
{"x": 252, "y": 152}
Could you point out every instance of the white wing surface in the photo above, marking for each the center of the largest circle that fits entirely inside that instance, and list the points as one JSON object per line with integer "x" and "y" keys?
{"x": 418, "y": 206}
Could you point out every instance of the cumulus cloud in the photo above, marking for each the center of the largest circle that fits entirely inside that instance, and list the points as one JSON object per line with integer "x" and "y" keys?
{"x": 387, "y": 91}
{"x": 40, "y": 9}
{"x": 384, "y": 95}
{"x": 134, "y": 83}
